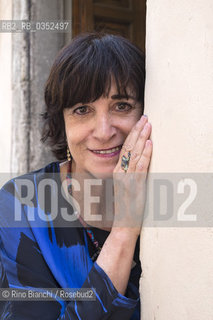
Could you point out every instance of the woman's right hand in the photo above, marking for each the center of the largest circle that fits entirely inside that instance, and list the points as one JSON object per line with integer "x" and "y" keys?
{"x": 130, "y": 185}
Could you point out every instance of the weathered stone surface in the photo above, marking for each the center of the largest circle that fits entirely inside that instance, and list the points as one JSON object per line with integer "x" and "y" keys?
{"x": 32, "y": 57}
{"x": 44, "y": 47}
{"x": 20, "y": 92}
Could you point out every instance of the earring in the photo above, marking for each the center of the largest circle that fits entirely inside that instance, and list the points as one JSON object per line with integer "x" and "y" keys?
{"x": 68, "y": 154}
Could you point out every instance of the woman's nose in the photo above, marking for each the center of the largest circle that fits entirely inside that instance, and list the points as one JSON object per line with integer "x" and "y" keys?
{"x": 104, "y": 128}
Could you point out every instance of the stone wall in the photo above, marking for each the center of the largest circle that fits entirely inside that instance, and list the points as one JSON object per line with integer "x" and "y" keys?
{"x": 32, "y": 56}
{"x": 5, "y": 89}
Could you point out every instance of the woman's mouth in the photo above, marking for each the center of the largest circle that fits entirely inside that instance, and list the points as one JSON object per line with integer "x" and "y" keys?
{"x": 107, "y": 152}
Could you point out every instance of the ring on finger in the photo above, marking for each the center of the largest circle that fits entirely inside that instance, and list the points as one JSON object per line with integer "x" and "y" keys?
{"x": 125, "y": 162}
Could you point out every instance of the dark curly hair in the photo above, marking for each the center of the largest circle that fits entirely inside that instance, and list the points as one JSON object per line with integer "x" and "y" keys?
{"x": 82, "y": 72}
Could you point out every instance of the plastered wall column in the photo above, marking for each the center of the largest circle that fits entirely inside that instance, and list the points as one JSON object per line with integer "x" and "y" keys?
{"x": 177, "y": 260}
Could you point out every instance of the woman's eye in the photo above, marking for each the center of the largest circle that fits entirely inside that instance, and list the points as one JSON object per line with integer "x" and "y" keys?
{"x": 124, "y": 106}
{"x": 81, "y": 110}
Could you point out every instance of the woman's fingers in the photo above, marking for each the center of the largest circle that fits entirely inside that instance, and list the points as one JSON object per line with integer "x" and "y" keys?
{"x": 134, "y": 134}
{"x": 138, "y": 150}
{"x": 131, "y": 140}
{"x": 134, "y": 145}
{"x": 144, "y": 161}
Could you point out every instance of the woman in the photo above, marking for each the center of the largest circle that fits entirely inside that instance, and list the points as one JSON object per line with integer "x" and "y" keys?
{"x": 94, "y": 106}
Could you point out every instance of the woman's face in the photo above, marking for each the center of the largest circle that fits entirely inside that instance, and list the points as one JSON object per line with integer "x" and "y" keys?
{"x": 96, "y": 131}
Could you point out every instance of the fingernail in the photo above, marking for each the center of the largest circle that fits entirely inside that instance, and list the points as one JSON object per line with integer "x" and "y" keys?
{"x": 148, "y": 143}
{"x": 143, "y": 118}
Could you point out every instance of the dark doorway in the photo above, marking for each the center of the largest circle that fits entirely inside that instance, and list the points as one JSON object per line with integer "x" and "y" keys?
{"x": 124, "y": 17}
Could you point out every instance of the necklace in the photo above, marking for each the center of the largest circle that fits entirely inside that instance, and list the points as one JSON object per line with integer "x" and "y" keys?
{"x": 89, "y": 231}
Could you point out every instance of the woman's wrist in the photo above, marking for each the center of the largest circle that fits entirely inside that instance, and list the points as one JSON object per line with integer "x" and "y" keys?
{"x": 117, "y": 255}
{"x": 125, "y": 234}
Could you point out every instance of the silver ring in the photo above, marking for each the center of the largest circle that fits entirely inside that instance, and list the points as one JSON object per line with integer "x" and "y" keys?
{"x": 125, "y": 162}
